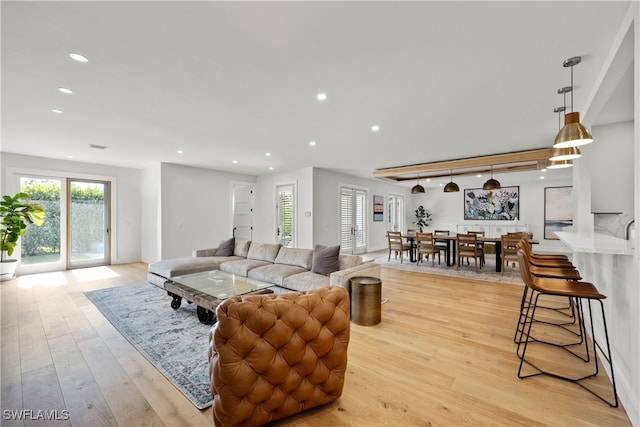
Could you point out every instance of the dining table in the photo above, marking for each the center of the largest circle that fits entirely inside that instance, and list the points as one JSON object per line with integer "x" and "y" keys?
{"x": 450, "y": 248}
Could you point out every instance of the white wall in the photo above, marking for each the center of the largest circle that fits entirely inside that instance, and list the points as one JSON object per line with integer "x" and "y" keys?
{"x": 195, "y": 205}
{"x": 126, "y": 209}
{"x": 447, "y": 209}
{"x": 151, "y": 212}
{"x": 610, "y": 162}
{"x": 326, "y": 202}
{"x": 265, "y": 214}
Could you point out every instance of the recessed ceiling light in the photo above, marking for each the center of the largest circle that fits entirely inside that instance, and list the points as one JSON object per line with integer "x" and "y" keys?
{"x": 321, "y": 96}
{"x": 65, "y": 90}
{"x": 267, "y": 154}
{"x": 180, "y": 152}
{"x": 428, "y": 179}
{"x": 479, "y": 176}
{"x": 441, "y": 184}
{"x": 375, "y": 128}
{"x": 235, "y": 162}
{"x": 543, "y": 170}
{"x": 542, "y": 177}
{"x": 270, "y": 168}
{"x": 312, "y": 143}
{"x": 77, "y": 57}
{"x": 57, "y": 111}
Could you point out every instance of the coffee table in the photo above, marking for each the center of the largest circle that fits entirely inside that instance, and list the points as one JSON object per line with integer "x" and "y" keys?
{"x": 208, "y": 289}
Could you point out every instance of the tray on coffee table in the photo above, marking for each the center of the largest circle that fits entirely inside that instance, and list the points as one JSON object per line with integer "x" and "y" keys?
{"x": 208, "y": 289}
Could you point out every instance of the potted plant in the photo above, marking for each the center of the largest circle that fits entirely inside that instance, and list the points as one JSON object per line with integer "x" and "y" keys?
{"x": 422, "y": 218}
{"x": 16, "y": 215}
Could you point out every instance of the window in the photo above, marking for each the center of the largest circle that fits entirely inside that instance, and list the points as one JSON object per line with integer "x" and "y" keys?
{"x": 395, "y": 209}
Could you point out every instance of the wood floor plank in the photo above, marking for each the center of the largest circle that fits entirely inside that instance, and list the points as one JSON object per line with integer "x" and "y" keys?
{"x": 442, "y": 355}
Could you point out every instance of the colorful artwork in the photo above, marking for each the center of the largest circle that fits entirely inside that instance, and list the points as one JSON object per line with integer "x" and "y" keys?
{"x": 558, "y": 211}
{"x": 378, "y": 208}
{"x": 503, "y": 204}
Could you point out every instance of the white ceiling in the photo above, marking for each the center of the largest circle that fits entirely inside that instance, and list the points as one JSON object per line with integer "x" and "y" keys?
{"x": 227, "y": 81}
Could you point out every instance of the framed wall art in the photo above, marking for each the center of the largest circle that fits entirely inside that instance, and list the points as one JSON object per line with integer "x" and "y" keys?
{"x": 378, "y": 208}
{"x": 558, "y": 211}
{"x": 502, "y": 204}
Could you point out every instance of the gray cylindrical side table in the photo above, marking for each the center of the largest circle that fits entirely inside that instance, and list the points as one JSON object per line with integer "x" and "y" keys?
{"x": 366, "y": 300}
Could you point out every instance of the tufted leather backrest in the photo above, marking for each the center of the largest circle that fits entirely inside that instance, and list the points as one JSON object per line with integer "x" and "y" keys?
{"x": 271, "y": 356}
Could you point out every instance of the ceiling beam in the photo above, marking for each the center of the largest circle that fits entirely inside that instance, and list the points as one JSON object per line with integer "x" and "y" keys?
{"x": 532, "y": 158}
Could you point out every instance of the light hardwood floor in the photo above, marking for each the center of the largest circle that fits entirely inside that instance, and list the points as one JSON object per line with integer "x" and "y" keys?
{"x": 443, "y": 355}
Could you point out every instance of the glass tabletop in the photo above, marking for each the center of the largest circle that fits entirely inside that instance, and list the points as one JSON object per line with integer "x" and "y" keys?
{"x": 220, "y": 284}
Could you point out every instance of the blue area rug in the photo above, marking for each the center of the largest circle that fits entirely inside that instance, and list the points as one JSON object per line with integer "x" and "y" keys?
{"x": 174, "y": 341}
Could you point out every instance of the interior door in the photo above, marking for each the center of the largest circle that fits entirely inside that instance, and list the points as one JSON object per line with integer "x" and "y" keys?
{"x": 285, "y": 215}
{"x": 89, "y": 218}
{"x": 243, "y": 211}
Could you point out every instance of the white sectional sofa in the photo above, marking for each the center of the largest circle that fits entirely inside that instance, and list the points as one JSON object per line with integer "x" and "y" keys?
{"x": 290, "y": 268}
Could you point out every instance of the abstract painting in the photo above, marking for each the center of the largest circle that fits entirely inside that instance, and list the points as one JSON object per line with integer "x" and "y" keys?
{"x": 558, "y": 211}
{"x": 502, "y": 204}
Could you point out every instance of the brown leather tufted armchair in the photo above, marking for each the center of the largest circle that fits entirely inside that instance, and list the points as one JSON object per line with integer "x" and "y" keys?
{"x": 272, "y": 356}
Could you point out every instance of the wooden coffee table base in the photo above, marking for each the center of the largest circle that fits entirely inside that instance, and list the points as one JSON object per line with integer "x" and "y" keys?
{"x": 206, "y": 304}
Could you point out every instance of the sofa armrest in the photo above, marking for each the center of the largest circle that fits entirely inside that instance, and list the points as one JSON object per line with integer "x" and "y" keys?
{"x": 203, "y": 252}
{"x": 342, "y": 277}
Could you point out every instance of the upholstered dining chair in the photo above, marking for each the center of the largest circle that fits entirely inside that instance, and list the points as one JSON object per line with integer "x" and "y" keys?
{"x": 467, "y": 247}
{"x": 426, "y": 246}
{"x": 397, "y": 244}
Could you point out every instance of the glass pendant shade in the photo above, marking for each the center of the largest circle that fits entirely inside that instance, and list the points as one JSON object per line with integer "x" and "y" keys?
{"x": 567, "y": 153}
{"x": 491, "y": 184}
{"x": 573, "y": 134}
{"x": 451, "y": 187}
{"x": 559, "y": 164}
{"x": 417, "y": 189}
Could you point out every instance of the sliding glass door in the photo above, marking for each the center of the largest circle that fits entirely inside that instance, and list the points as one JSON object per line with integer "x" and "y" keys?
{"x": 89, "y": 223}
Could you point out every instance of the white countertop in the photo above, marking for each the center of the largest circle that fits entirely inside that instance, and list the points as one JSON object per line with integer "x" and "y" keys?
{"x": 596, "y": 243}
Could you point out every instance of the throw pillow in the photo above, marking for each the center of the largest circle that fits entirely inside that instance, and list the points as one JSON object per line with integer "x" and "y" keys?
{"x": 226, "y": 247}
{"x": 326, "y": 259}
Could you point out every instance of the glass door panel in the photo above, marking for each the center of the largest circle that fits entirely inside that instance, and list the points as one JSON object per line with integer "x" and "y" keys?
{"x": 89, "y": 242}
{"x": 42, "y": 245}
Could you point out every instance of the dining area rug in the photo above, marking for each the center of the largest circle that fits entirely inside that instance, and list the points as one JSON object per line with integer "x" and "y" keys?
{"x": 487, "y": 273}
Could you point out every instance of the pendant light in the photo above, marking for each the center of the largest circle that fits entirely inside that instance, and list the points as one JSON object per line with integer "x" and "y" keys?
{"x": 492, "y": 184}
{"x": 417, "y": 188}
{"x": 559, "y": 164}
{"x": 573, "y": 134}
{"x": 451, "y": 187}
{"x": 566, "y": 153}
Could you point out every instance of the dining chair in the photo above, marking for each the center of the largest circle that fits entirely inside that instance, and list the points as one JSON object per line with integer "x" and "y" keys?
{"x": 426, "y": 246}
{"x": 509, "y": 250}
{"x": 397, "y": 245}
{"x": 480, "y": 244}
{"x": 467, "y": 247}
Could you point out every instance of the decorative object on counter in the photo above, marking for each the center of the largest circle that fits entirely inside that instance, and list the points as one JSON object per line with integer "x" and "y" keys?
{"x": 503, "y": 204}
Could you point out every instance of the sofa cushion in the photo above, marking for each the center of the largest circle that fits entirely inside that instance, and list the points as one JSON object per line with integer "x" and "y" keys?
{"x": 275, "y": 273}
{"x": 242, "y": 266}
{"x": 297, "y": 257}
{"x": 305, "y": 281}
{"x": 263, "y": 251}
{"x": 181, "y": 266}
{"x": 242, "y": 248}
{"x": 226, "y": 247}
{"x": 349, "y": 261}
{"x": 325, "y": 259}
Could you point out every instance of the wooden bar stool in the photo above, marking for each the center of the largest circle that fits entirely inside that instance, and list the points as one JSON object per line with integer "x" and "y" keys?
{"x": 572, "y": 289}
